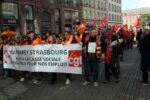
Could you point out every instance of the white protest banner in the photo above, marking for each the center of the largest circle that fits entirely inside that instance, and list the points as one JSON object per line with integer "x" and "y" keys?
{"x": 44, "y": 58}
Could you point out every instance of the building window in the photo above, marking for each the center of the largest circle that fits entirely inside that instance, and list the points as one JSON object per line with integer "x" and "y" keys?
{"x": 67, "y": 2}
{"x": 109, "y": 6}
{"x": 98, "y": 5}
{"x": 70, "y": 17}
{"x": 93, "y": 3}
{"x": 101, "y": 5}
{"x": 57, "y": 2}
{"x": 29, "y": 17}
{"x": 110, "y": 17}
{"x": 88, "y": 15}
{"x": 28, "y": 12}
{"x": 75, "y": 3}
{"x": 75, "y": 19}
{"x": 99, "y": 17}
{"x": 67, "y": 14}
{"x": 46, "y": 3}
{"x": 84, "y": 15}
{"x": 45, "y": 22}
{"x": 104, "y": 6}
{"x": 52, "y": 1}
{"x": 57, "y": 21}
{"x": 10, "y": 10}
{"x": 92, "y": 17}
{"x": 117, "y": 8}
{"x": 102, "y": 15}
{"x": 120, "y": 18}
{"x": 85, "y": 3}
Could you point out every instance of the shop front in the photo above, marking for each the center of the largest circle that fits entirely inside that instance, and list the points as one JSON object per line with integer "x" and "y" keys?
{"x": 10, "y": 18}
{"x": 68, "y": 21}
{"x": 71, "y": 20}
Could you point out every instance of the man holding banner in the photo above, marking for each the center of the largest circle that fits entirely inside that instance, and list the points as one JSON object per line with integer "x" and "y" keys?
{"x": 32, "y": 40}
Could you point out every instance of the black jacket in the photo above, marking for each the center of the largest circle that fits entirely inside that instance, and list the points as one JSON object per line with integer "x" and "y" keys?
{"x": 144, "y": 48}
{"x": 115, "y": 48}
{"x": 104, "y": 40}
{"x": 1, "y": 54}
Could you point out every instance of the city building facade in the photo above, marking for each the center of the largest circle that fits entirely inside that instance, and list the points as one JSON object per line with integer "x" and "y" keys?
{"x": 93, "y": 8}
{"x": 114, "y": 12}
{"x": 112, "y": 9}
{"x": 130, "y": 16}
{"x": 54, "y": 16}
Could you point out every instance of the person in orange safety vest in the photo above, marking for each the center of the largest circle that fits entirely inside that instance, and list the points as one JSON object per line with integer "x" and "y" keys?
{"x": 68, "y": 38}
{"x": 91, "y": 56}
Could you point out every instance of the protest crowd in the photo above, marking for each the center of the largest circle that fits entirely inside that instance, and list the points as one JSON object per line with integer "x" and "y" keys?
{"x": 100, "y": 46}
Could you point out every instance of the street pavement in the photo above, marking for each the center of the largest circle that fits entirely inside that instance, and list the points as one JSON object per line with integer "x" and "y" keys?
{"x": 129, "y": 87}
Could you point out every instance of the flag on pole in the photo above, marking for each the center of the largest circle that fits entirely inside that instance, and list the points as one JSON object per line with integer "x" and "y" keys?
{"x": 108, "y": 48}
{"x": 136, "y": 25}
{"x": 103, "y": 23}
{"x": 81, "y": 27}
{"x": 137, "y": 22}
{"x": 95, "y": 22}
{"x": 116, "y": 27}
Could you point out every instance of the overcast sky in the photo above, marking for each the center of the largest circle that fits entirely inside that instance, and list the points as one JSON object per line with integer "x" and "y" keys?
{"x": 131, "y": 4}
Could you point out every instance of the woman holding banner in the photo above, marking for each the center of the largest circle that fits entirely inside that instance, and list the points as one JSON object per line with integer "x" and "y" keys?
{"x": 52, "y": 40}
{"x": 68, "y": 38}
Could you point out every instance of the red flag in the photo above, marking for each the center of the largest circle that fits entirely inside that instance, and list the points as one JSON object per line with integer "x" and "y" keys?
{"x": 137, "y": 22}
{"x": 95, "y": 22}
{"x": 135, "y": 32}
{"x": 108, "y": 49}
{"x": 81, "y": 27}
{"x": 104, "y": 22}
{"x": 116, "y": 27}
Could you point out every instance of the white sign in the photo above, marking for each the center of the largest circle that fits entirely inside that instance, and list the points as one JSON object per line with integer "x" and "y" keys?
{"x": 92, "y": 47}
{"x": 44, "y": 58}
